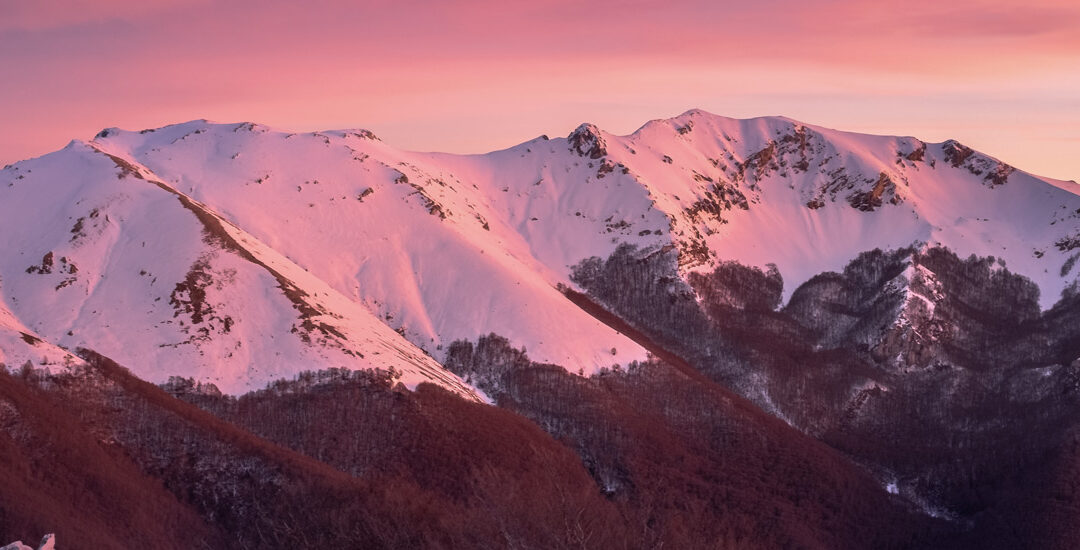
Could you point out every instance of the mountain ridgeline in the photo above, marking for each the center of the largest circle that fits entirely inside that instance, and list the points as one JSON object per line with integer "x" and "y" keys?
{"x": 711, "y": 333}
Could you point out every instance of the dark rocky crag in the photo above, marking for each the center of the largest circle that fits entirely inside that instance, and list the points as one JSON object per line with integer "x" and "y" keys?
{"x": 937, "y": 373}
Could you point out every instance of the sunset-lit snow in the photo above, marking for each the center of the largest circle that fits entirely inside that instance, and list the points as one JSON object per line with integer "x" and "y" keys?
{"x": 337, "y": 249}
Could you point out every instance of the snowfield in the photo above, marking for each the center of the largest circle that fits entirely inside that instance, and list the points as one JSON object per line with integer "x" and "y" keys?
{"x": 238, "y": 254}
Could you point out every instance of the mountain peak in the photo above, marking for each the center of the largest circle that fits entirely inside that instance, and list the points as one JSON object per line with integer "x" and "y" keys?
{"x": 587, "y": 141}
{"x": 374, "y": 235}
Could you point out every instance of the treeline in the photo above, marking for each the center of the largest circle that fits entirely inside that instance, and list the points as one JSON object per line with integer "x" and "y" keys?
{"x": 339, "y": 460}
{"x": 937, "y": 373}
{"x": 636, "y": 458}
{"x": 645, "y": 455}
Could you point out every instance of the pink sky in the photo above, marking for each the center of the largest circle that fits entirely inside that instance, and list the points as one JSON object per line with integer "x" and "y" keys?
{"x": 471, "y": 76}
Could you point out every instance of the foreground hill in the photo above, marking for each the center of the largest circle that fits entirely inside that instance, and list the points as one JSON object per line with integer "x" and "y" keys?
{"x": 342, "y": 459}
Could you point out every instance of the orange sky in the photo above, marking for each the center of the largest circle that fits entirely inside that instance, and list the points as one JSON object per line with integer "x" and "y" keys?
{"x": 471, "y": 76}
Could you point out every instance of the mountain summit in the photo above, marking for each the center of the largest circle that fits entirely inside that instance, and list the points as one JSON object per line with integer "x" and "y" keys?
{"x": 234, "y": 252}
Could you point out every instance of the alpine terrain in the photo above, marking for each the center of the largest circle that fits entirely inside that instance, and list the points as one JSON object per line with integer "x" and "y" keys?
{"x": 710, "y": 333}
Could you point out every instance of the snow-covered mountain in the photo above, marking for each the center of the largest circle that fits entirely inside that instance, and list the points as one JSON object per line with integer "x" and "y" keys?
{"x": 856, "y": 341}
{"x": 238, "y": 254}
{"x": 120, "y": 262}
{"x": 772, "y": 190}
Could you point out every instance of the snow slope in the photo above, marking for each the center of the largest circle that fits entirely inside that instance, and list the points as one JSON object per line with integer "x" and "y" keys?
{"x": 101, "y": 254}
{"x": 237, "y": 254}
{"x": 418, "y": 246}
{"x": 773, "y": 190}
{"x": 19, "y": 345}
